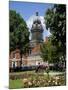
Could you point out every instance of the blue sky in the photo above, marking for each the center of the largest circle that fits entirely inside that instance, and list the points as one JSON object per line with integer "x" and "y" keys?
{"x": 28, "y": 9}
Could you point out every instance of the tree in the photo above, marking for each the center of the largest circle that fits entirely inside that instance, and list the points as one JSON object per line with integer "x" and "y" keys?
{"x": 15, "y": 20}
{"x": 46, "y": 51}
{"x": 55, "y": 20}
{"x": 19, "y": 34}
{"x": 22, "y": 39}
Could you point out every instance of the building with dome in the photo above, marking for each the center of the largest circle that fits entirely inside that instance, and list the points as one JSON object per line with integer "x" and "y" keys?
{"x": 35, "y": 42}
{"x": 37, "y": 34}
{"x": 33, "y": 57}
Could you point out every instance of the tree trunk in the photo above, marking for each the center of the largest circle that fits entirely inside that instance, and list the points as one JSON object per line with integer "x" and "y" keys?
{"x": 21, "y": 60}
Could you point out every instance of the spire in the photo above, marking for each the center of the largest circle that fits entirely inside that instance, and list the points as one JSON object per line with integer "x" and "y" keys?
{"x": 36, "y": 13}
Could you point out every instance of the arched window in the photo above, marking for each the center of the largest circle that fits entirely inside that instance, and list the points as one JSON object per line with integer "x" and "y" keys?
{"x": 13, "y": 54}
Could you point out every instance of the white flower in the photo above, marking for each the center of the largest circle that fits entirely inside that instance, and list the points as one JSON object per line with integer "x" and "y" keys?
{"x": 56, "y": 83}
{"x": 53, "y": 81}
{"x": 25, "y": 80}
{"x": 56, "y": 78}
{"x": 49, "y": 81}
{"x": 29, "y": 83}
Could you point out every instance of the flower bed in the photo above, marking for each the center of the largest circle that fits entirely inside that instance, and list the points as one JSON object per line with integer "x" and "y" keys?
{"x": 38, "y": 80}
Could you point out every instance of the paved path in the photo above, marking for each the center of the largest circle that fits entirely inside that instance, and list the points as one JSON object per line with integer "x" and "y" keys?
{"x": 32, "y": 72}
{"x": 54, "y": 73}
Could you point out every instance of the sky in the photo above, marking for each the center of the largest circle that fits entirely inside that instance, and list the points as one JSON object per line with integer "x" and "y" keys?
{"x": 28, "y": 9}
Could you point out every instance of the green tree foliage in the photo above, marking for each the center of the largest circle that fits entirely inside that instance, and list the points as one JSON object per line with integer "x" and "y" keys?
{"x": 46, "y": 51}
{"x": 55, "y": 20}
{"x": 19, "y": 34}
{"x": 15, "y": 20}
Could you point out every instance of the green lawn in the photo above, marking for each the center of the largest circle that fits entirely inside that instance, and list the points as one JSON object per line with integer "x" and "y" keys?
{"x": 15, "y": 83}
{"x": 23, "y": 72}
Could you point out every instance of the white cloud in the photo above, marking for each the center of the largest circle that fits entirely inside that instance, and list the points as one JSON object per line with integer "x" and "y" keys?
{"x": 30, "y": 22}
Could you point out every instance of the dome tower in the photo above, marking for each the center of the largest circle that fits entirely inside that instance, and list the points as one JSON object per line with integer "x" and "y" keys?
{"x": 37, "y": 30}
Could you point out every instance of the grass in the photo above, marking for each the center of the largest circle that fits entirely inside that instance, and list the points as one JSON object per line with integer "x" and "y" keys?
{"x": 15, "y": 83}
{"x": 23, "y": 72}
